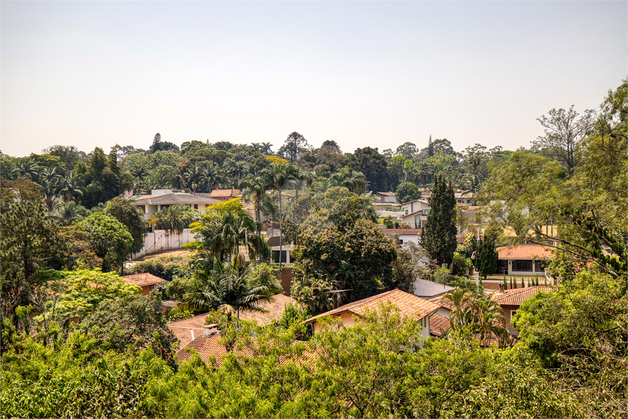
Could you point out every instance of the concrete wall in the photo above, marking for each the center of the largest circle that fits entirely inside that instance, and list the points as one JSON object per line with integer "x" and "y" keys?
{"x": 160, "y": 240}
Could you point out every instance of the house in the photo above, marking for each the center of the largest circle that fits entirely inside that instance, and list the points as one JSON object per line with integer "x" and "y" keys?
{"x": 510, "y": 301}
{"x": 146, "y": 281}
{"x": 525, "y": 259}
{"x": 439, "y": 325}
{"x": 386, "y": 198}
{"x": 405, "y": 235}
{"x": 430, "y": 289}
{"x": 286, "y": 248}
{"x": 463, "y": 198}
{"x": 408, "y": 304}
{"x": 187, "y": 330}
{"x": 445, "y": 306}
{"x": 163, "y": 198}
{"x": 415, "y": 213}
{"x": 225, "y": 194}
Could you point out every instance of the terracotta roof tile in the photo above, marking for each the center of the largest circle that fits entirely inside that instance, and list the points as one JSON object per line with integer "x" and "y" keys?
{"x": 408, "y": 304}
{"x": 143, "y": 280}
{"x": 183, "y": 329}
{"x": 438, "y": 324}
{"x": 525, "y": 251}
{"x": 442, "y": 302}
{"x": 224, "y": 193}
{"x": 517, "y": 296}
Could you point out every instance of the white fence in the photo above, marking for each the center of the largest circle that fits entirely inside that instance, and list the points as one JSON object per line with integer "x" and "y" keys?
{"x": 161, "y": 240}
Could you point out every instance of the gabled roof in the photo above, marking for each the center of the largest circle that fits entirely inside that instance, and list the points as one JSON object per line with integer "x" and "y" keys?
{"x": 525, "y": 251}
{"x": 515, "y": 297}
{"x": 442, "y": 302}
{"x": 408, "y": 304}
{"x": 143, "y": 280}
{"x": 386, "y": 193}
{"x": 424, "y": 201}
{"x": 175, "y": 199}
{"x": 406, "y": 231}
{"x": 438, "y": 324}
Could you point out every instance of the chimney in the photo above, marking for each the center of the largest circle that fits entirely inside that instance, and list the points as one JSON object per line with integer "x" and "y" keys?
{"x": 501, "y": 288}
{"x": 210, "y": 330}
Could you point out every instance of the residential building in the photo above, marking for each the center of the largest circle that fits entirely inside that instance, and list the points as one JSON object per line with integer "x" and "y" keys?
{"x": 408, "y": 304}
{"x": 510, "y": 300}
{"x": 404, "y": 235}
{"x": 163, "y": 198}
{"x": 146, "y": 281}
{"x": 415, "y": 213}
{"x": 225, "y": 194}
{"x": 386, "y": 198}
{"x": 523, "y": 260}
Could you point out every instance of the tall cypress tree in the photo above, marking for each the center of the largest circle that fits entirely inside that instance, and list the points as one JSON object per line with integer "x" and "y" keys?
{"x": 439, "y": 235}
{"x": 486, "y": 257}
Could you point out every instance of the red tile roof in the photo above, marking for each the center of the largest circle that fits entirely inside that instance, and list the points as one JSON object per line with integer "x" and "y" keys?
{"x": 515, "y": 297}
{"x": 442, "y": 302}
{"x": 143, "y": 280}
{"x": 525, "y": 251}
{"x": 224, "y": 193}
{"x": 408, "y": 304}
{"x": 438, "y": 324}
{"x": 183, "y": 329}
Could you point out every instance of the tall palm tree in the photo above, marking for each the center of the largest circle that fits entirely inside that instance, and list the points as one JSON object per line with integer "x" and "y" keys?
{"x": 49, "y": 184}
{"x": 254, "y": 189}
{"x": 238, "y": 229}
{"x": 225, "y": 290}
{"x": 460, "y": 315}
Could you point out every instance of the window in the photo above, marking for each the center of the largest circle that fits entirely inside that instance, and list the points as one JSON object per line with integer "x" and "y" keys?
{"x": 539, "y": 265}
{"x": 522, "y": 265}
{"x": 512, "y": 314}
{"x": 195, "y": 206}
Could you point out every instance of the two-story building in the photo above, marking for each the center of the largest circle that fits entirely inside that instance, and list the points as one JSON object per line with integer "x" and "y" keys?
{"x": 163, "y": 198}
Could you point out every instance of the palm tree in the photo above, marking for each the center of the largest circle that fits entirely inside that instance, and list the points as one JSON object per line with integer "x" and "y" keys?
{"x": 173, "y": 218}
{"x": 254, "y": 189}
{"x": 49, "y": 183}
{"x": 212, "y": 175}
{"x": 460, "y": 315}
{"x": 488, "y": 317}
{"x": 26, "y": 169}
{"x": 225, "y": 290}
{"x": 67, "y": 213}
{"x": 69, "y": 186}
{"x": 193, "y": 176}
{"x": 352, "y": 180}
{"x": 237, "y": 229}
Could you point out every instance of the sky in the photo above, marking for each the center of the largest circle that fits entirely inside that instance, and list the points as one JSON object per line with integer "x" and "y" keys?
{"x": 362, "y": 73}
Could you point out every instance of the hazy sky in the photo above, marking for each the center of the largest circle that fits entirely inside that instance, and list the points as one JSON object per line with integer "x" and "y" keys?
{"x": 375, "y": 73}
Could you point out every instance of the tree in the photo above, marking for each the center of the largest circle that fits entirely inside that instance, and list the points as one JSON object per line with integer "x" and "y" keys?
{"x": 159, "y": 145}
{"x": 132, "y": 217}
{"x": 373, "y": 165}
{"x": 225, "y": 290}
{"x": 293, "y": 147}
{"x": 564, "y": 132}
{"x": 407, "y": 191}
{"x": 108, "y": 238}
{"x": 254, "y": 189}
{"x": 68, "y": 213}
{"x": 486, "y": 257}
{"x": 280, "y": 174}
{"x": 407, "y": 150}
{"x": 174, "y": 218}
{"x": 439, "y": 234}
{"x": 28, "y": 242}
{"x": 131, "y": 321}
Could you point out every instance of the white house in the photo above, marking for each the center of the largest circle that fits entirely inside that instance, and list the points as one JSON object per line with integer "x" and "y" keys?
{"x": 163, "y": 198}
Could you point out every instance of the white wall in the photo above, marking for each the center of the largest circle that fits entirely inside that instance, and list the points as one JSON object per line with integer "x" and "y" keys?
{"x": 160, "y": 240}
